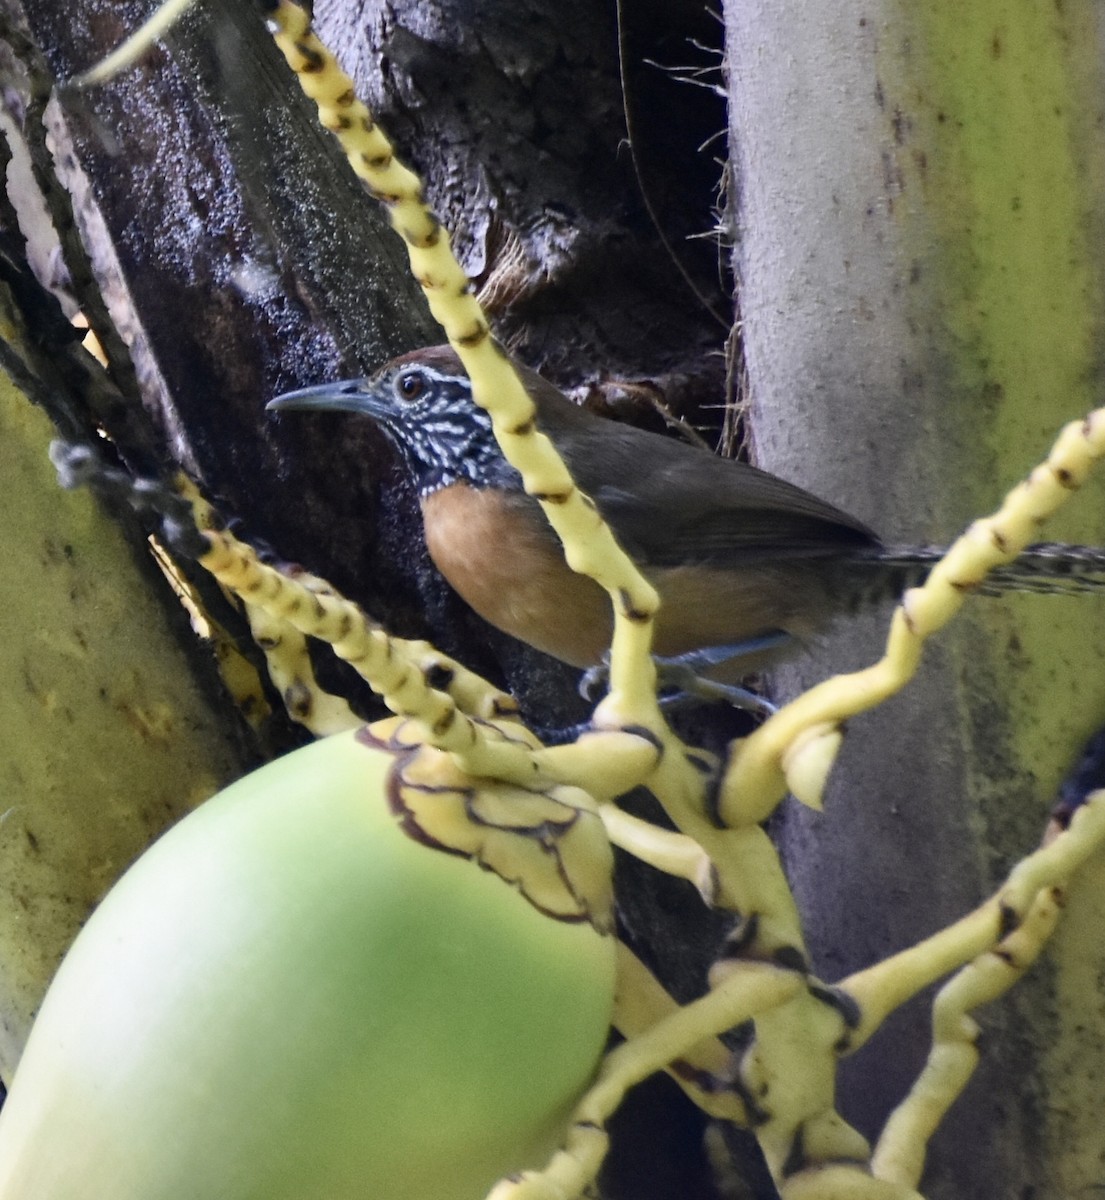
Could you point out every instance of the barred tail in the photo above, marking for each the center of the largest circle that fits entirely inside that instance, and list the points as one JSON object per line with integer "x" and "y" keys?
{"x": 1053, "y": 568}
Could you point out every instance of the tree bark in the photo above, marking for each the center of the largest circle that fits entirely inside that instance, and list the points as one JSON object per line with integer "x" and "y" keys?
{"x": 919, "y": 217}
{"x": 243, "y": 259}
{"x": 516, "y": 117}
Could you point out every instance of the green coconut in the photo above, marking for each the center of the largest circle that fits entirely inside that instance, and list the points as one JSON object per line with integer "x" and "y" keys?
{"x": 288, "y": 997}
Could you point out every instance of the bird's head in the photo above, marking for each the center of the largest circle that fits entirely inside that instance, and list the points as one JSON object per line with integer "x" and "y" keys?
{"x": 423, "y": 403}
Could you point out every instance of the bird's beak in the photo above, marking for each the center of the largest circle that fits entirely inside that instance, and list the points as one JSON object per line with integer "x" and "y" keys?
{"x": 350, "y": 395}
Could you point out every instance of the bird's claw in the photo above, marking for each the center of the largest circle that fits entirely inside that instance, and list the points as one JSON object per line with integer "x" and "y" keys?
{"x": 678, "y": 677}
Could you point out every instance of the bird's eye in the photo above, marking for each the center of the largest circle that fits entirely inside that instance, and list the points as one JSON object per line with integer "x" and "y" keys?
{"x": 410, "y": 385}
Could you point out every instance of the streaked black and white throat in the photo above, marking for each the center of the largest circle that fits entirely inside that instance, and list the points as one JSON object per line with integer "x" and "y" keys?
{"x": 442, "y": 434}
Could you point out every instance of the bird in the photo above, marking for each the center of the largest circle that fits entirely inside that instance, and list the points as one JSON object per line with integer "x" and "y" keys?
{"x": 748, "y": 566}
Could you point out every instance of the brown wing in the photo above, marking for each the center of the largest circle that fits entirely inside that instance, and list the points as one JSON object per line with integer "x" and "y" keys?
{"x": 670, "y": 503}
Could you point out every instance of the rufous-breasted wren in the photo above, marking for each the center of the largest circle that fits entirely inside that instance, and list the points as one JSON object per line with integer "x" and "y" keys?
{"x": 742, "y": 560}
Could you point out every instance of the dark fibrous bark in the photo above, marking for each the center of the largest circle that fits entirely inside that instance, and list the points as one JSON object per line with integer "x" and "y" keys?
{"x": 242, "y": 259}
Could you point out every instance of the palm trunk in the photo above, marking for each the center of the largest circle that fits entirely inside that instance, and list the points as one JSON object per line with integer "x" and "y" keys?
{"x": 919, "y": 210}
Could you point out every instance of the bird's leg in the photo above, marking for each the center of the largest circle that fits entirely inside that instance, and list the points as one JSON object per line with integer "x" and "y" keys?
{"x": 710, "y": 657}
{"x": 687, "y": 685}
{"x": 684, "y": 674}
{"x": 691, "y": 687}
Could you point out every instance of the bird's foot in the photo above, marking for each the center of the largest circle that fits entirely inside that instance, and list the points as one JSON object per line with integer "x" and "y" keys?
{"x": 682, "y": 680}
{"x": 680, "y": 686}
